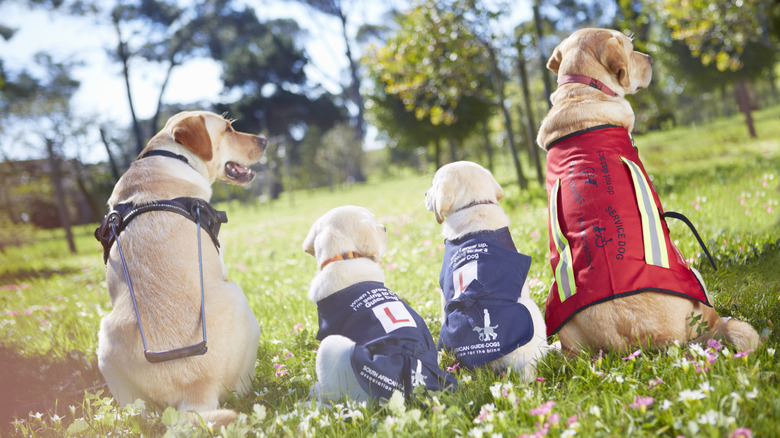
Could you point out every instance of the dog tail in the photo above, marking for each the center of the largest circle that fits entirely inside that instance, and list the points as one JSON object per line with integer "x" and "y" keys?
{"x": 738, "y": 333}
{"x": 217, "y": 417}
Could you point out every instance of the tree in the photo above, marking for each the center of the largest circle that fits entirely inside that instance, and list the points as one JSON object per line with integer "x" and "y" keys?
{"x": 336, "y": 8}
{"x": 41, "y": 107}
{"x": 731, "y": 35}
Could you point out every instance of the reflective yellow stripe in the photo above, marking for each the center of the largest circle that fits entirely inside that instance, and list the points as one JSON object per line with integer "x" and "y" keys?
{"x": 652, "y": 230}
{"x": 564, "y": 272}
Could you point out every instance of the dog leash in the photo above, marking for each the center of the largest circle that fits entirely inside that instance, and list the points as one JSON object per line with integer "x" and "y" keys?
{"x": 686, "y": 221}
{"x": 113, "y": 220}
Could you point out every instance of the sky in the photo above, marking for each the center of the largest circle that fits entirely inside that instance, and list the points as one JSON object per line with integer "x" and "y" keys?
{"x": 102, "y": 94}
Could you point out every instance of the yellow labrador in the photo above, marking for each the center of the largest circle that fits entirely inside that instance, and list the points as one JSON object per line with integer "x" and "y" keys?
{"x": 488, "y": 314}
{"x": 161, "y": 251}
{"x": 619, "y": 280}
{"x": 373, "y": 343}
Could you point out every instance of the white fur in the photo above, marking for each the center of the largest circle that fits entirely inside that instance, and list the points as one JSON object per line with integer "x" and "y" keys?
{"x": 342, "y": 229}
{"x": 161, "y": 252}
{"x": 458, "y": 185}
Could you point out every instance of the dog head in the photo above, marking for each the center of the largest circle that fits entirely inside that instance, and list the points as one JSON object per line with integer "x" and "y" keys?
{"x": 226, "y": 154}
{"x": 458, "y": 185}
{"x": 606, "y": 55}
{"x": 344, "y": 229}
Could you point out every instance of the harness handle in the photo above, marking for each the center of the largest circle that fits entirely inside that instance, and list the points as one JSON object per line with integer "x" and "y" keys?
{"x": 113, "y": 220}
{"x": 686, "y": 221}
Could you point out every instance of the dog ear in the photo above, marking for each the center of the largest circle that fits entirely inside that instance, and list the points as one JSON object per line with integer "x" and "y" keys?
{"x": 442, "y": 201}
{"x": 554, "y": 63}
{"x": 497, "y": 188}
{"x": 371, "y": 239}
{"x": 614, "y": 58}
{"x": 308, "y": 242}
{"x": 191, "y": 132}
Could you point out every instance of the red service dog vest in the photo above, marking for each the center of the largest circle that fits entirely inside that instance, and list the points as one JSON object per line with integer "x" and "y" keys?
{"x": 607, "y": 236}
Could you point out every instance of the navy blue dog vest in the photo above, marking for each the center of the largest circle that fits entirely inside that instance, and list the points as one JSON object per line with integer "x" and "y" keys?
{"x": 393, "y": 347}
{"x": 481, "y": 278}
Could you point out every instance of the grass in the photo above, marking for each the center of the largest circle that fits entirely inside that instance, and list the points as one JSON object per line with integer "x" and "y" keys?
{"x": 727, "y": 185}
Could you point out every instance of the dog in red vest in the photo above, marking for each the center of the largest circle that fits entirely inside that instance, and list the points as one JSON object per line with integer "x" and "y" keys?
{"x": 619, "y": 279}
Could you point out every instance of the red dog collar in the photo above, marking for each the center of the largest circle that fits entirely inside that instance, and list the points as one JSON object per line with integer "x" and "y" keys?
{"x": 587, "y": 80}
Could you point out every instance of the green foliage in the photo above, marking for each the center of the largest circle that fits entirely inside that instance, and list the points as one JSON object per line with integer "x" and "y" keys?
{"x": 698, "y": 390}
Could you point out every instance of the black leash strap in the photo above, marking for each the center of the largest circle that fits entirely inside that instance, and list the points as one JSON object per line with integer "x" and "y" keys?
{"x": 113, "y": 221}
{"x": 681, "y": 217}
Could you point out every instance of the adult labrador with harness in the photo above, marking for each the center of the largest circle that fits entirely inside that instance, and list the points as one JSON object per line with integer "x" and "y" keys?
{"x": 180, "y": 334}
{"x": 619, "y": 280}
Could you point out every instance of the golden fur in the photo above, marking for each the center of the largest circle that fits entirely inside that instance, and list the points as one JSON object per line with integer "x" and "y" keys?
{"x": 458, "y": 185}
{"x": 161, "y": 250}
{"x": 622, "y": 323}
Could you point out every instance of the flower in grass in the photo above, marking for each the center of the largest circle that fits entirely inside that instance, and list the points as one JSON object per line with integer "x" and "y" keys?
{"x": 687, "y": 395}
{"x": 742, "y": 354}
{"x": 633, "y": 355}
{"x": 12, "y": 313}
{"x": 652, "y": 383}
{"x": 641, "y": 403}
{"x": 595, "y": 411}
{"x": 289, "y": 355}
{"x": 543, "y": 409}
{"x": 770, "y": 352}
{"x": 741, "y": 432}
{"x": 28, "y": 312}
{"x": 486, "y": 414}
{"x": 540, "y": 379}
{"x": 752, "y": 394}
{"x": 705, "y": 387}
{"x": 714, "y": 344}
{"x": 241, "y": 267}
{"x": 454, "y": 367}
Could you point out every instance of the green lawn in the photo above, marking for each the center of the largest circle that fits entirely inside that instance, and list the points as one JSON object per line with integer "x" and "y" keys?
{"x": 728, "y": 185}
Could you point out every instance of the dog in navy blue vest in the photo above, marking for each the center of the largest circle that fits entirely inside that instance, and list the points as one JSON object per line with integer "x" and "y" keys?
{"x": 373, "y": 343}
{"x": 489, "y": 316}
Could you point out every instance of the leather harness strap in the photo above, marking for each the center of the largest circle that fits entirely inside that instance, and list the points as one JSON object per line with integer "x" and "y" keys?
{"x": 123, "y": 214}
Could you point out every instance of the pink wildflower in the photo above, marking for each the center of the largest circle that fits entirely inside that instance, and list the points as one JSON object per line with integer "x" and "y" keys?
{"x": 540, "y": 379}
{"x": 714, "y": 344}
{"x": 28, "y": 312}
{"x": 641, "y": 402}
{"x": 633, "y": 355}
{"x": 11, "y": 313}
{"x": 543, "y": 409}
{"x": 289, "y": 355}
{"x": 241, "y": 267}
{"x": 427, "y": 243}
{"x": 742, "y": 353}
{"x": 281, "y": 373}
{"x": 58, "y": 298}
{"x": 298, "y": 327}
{"x": 571, "y": 420}
{"x": 555, "y": 418}
{"x": 278, "y": 366}
{"x": 741, "y": 432}
{"x": 46, "y": 308}
{"x": 454, "y": 367}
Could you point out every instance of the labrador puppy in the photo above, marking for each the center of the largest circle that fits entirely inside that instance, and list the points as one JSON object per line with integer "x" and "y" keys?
{"x": 619, "y": 280}
{"x": 373, "y": 343}
{"x": 161, "y": 251}
{"x": 488, "y": 314}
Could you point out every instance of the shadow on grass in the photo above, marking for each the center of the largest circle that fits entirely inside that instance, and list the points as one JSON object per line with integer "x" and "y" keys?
{"x": 21, "y": 275}
{"x": 748, "y": 289}
{"x": 42, "y": 384}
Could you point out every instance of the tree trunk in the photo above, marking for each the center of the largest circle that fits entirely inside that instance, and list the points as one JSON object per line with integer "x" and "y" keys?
{"x": 437, "y": 152}
{"x": 453, "y": 147}
{"x": 498, "y": 84}
{"x": 59, "y": 192}
{"x": 125, "y": 57}
{"x": 743, "y": 100}
{"x": 530, "y": 130}
{"x": 542, "y": 55}
{"x": 354, "y": 90}
{"x": 153, "y": 123}
{"x": 488, "y": 146}
{"x": 111, "y": 159}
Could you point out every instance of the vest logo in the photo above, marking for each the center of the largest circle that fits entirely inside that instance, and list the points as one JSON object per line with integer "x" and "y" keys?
{"x": 463, "y": 276}
{"x": 393, "y": 315}
{"x": 418, "y": 378}
{"x": 488, "y": 332}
